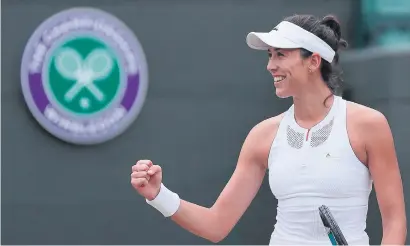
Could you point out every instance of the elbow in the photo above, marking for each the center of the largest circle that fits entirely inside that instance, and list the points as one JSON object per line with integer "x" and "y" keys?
{"x": 216, "y": 240}
{"x": 396, "y": 222}
{"x": 219, "y": 233}
{"x": 217, "y": 237}
{"x": 219, "y": 230}
{"x": 221, "y": 225}
{"x": 395, "y": 230}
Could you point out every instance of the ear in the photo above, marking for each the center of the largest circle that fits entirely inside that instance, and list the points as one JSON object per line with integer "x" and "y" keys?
{"x": 314, "y": 62}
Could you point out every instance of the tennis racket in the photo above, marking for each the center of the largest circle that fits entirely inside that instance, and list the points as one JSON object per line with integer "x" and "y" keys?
{"x": 332, "y": 228}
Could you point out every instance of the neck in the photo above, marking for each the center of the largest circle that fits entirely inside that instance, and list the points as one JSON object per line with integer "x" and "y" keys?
{"x": 312, "y": 107}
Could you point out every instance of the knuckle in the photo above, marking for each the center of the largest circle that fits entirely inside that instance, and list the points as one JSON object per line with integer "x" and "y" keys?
{"x": 142, "y": 167}
{"x": 144, "y": 161}
{"x": 139, "y": 174}
{"x": 137, "y": 181}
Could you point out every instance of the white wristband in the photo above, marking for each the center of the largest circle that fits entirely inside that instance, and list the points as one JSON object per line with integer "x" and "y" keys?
{"x": 167, "y": 202}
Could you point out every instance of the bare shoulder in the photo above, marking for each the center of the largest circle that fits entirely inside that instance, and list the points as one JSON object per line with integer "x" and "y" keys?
{"x": 266, "y": 129}
{"x": 366, "y": 128}
{"x": 365, "y": 117}
{"x": 260, "y": 138}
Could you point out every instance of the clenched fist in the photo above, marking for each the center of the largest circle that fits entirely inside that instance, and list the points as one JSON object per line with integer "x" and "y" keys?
{"x": 146, "y": 178}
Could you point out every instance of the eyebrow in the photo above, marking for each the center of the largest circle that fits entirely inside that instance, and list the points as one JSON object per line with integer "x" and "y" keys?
{"x": 277, "y": 50}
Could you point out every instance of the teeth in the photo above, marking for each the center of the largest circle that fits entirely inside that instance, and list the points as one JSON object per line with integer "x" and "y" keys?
{"x": 278, "y": 78}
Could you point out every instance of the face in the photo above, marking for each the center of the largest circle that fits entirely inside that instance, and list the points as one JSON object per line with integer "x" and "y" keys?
{"x": 290, "y": 71}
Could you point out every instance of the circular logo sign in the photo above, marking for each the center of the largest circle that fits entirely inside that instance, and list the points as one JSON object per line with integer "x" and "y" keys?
{"x": 84, "y": 76}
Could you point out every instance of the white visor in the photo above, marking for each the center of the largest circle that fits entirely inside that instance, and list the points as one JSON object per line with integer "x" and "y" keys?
{"x": 287, "y": 35}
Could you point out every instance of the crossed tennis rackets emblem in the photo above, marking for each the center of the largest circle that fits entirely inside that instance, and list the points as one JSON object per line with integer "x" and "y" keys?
{"x": 85, "y": 72}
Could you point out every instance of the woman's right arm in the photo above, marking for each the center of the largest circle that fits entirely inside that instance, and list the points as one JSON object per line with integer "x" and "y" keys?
{"x": 215, "y": 223}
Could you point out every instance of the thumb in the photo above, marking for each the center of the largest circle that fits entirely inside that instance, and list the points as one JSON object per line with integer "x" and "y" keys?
{"x": 155, "y": 169}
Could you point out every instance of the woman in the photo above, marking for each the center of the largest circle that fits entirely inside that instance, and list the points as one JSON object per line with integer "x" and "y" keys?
{"x": 322, "y": 151}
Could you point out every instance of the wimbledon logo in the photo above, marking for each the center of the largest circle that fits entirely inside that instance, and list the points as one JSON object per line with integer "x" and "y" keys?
{"x": 84, "y": 76}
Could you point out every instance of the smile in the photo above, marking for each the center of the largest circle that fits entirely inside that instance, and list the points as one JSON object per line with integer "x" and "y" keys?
{"x": 278, "y": 78}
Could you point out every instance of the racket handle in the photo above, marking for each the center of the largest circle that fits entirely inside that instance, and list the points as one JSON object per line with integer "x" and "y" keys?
{"x": 332, "y": 238}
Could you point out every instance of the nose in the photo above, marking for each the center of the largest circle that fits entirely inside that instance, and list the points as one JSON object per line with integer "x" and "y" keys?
{"x": 272, "y": 65}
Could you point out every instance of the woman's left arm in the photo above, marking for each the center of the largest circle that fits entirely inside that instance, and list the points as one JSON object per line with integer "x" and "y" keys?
{"x": 384, "y": 168}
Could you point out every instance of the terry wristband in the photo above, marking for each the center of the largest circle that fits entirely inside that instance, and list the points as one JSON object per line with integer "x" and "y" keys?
{"x": 166, "y": 202}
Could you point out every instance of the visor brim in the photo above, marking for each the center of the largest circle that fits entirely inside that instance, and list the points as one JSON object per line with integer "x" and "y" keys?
{"x": 266, "y": 40}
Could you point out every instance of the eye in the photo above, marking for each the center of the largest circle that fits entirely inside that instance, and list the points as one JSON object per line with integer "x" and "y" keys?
{"x": 280, "y": 54}
{"x": 269, "y": 54}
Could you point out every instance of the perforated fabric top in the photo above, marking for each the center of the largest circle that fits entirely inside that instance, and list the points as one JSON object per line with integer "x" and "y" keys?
{"x": 310, "y": 168}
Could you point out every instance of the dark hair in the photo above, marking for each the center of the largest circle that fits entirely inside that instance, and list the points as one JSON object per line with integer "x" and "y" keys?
{"x": 328, "y": 29}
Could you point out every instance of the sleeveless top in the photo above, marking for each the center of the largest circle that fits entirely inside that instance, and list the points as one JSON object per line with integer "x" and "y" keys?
{"x": 310, "y": 168}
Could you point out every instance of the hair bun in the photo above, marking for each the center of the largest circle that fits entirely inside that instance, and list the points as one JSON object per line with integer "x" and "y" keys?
{"x": 331, "y": 22}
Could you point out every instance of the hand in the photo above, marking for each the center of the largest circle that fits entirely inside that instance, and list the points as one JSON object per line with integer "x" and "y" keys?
{"x": 146, "y": 178}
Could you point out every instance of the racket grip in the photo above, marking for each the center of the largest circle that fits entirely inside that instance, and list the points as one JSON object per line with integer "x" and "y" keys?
{"x": 332, "y": 238}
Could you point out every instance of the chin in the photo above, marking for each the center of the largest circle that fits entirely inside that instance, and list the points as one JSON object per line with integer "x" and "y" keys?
{"x": 282, "y": 93}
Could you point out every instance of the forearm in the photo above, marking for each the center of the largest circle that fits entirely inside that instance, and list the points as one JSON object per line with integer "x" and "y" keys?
{"x": 201, "y": 221}
{"x": 394, "y": 232}
{"x": 198, "y": 220}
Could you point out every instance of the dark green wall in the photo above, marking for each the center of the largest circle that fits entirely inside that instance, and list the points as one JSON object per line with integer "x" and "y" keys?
{"x": 379, "y": 79}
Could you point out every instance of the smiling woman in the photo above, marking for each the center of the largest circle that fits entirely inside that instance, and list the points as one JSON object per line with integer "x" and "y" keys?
{"x": 323, "y": 150}
{"x": 288, "y": 37}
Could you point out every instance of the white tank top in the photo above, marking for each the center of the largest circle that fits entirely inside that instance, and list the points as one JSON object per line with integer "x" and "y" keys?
{"x": 310, "y": 168}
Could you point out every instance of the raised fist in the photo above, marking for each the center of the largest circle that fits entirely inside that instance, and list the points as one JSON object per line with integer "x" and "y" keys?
{"x": 146, "y": 178}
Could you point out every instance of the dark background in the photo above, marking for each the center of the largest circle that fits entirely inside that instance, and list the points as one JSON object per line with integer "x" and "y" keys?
{"x": 207, "y": 89}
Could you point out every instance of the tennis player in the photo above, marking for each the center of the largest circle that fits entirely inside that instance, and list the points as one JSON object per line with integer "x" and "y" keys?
{"x": 323, "y": 150}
